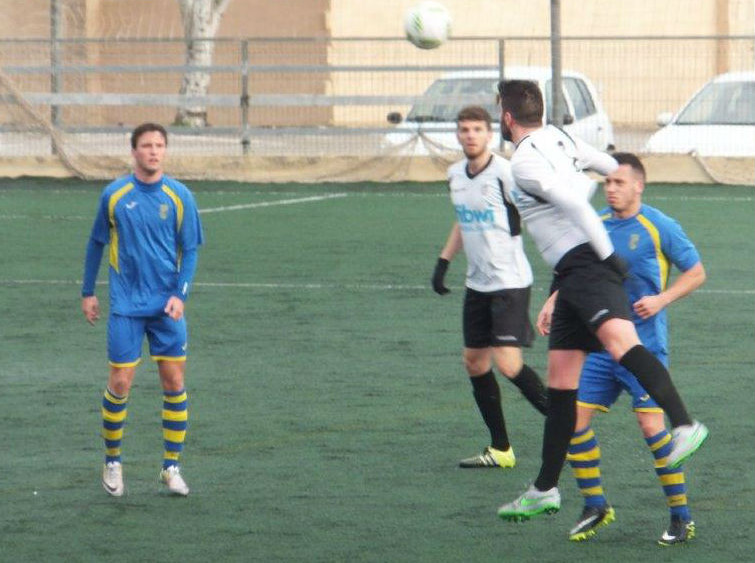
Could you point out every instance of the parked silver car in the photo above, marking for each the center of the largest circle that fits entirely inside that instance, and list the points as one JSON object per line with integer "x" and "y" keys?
{"x": 719, "y": 120}
{"x": 430, "y": 124}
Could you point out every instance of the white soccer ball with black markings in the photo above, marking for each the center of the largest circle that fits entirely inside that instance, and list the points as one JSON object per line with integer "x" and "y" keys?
{"x": 427, "y": 25}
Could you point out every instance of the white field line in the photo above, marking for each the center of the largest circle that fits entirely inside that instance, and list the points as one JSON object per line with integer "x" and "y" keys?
{"x": 13, "y": 217}
{"x": 326, "y": 286}
{"x": 271, "y": 203}
{"x": 440, "y": 193}
{"x": 444, "y": 195}
{"x": 700, "y": 198}
{"x": 291, "y": 201}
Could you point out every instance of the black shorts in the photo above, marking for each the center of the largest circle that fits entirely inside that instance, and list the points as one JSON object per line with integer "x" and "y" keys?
{"x": 499, "y": 318}
{"x": 590, "y": 293}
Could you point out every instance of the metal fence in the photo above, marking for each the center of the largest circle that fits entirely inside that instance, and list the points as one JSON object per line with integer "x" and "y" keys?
{"x": 314, "y": 96}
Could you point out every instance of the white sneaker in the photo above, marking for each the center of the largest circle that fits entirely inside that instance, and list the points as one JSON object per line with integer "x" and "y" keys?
{"x": 112, "y": 478}
{"x": 685, "y": 441}
{"x": 531, "y": 503}
{"x": 172, "y": 479}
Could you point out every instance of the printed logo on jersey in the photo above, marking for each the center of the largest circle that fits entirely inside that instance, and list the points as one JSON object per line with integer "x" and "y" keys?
{"x": 481, "y": 218}
{"x": 634, "y": 241}
{"x": 164, "y": 211}
{"x": 131, "y": 204}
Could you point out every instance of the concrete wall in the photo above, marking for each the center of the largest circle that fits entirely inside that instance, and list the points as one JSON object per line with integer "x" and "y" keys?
{"x": 160, "y": 19}
{"x": 514, "y": 18}
{"x": 339, "y": 18}
{"x": 637, "y": 79}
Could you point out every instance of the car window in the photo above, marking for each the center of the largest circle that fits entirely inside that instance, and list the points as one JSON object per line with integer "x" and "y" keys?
{"x": 568, "y": 99}
{"x": 581, "y": 97}
{"x": 456, "y": 93}
{"x": 721, "y": 103}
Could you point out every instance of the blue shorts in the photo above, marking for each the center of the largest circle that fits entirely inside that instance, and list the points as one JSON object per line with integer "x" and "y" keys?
{"x": 166, "y": 337}
{"x": 603, "y": 380}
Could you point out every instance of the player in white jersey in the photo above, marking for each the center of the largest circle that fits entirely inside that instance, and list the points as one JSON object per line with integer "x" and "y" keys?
{"x": 591, "y": 311}
{"x": 496, "y": 321}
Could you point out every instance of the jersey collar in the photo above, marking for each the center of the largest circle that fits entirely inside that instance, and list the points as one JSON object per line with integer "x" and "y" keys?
{"x": 154, "y": 186}
{"x": 480, "y": 171}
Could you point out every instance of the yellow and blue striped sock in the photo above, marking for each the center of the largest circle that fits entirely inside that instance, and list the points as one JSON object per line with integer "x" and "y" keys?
{"x": 114, "y": 413}
{"x": 175, "y": 417}
{"x": 672, "y": 480}
{"x": 584, "y": 458}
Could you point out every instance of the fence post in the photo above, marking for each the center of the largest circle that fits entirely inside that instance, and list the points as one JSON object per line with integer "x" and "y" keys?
{"x": 501, "y": 71}
{"x": 558, "y": 95}
{"x": 245, "y": 97}
{"x": 55, "y": 22}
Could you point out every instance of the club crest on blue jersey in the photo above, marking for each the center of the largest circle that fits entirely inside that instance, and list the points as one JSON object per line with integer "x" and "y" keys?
{"x": 164, "y": 211}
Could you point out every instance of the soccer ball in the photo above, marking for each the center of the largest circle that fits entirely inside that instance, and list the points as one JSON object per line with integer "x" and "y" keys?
{"x": 427, "y": 25}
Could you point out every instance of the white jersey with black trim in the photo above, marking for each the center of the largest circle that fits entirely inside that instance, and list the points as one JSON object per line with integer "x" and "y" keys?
{"x": 552, "y": 192}
{"x": 490, "y": 226}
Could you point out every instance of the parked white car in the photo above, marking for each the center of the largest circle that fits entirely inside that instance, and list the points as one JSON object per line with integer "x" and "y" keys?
{"x": 719, "y": 120}
{"x": 430, "y": 125}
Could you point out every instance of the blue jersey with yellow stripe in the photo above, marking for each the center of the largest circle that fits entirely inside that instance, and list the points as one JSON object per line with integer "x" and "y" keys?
{"x": 148, "y": 227}
{"x": 650, "y": 242}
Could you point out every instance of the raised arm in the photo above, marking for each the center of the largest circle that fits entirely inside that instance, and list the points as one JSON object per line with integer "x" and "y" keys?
{"x": 565, "y": 192}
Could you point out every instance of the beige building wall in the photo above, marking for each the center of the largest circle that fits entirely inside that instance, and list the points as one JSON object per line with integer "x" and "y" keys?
{"x": 637, "y": 79}
{"x": 382, "y": 18}
{"x": 514, "y": 18}
{"x": 160, "y": 19}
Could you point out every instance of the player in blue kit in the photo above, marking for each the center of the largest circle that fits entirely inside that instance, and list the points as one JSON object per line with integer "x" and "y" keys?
{"x": 151, "y": 224}
{"x": 591, "y": 311}
{"x": 650, "y": 243}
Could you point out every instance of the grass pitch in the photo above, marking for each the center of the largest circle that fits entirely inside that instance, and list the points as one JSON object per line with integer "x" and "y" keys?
{"x": 328, "y": 403}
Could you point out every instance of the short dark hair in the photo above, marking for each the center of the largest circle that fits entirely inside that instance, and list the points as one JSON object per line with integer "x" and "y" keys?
{"x": 475, "y": 113}
{"x": 631, "y": 160}
{"x": 523, "y": 100}
{"x": 147, "y": 128}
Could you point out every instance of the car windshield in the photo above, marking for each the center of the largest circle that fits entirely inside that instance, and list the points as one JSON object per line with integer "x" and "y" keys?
{"x": 721, "y": 103}
{"x": 451, "y": 95}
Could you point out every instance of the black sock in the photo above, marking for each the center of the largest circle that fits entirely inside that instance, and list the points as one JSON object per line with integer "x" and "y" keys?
{"x": 559, "y": 427}
{"x": 488, "y": 396}
{"x": 656, "y": 380}
{"x": 532, "y": 388}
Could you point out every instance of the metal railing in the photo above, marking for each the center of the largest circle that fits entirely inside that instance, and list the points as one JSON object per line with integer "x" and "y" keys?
{"x": 336, "y": 86}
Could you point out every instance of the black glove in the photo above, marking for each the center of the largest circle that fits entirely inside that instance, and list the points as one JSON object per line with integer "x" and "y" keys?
{"x": 617, "y": 264}
{"x": 441, "y": 267}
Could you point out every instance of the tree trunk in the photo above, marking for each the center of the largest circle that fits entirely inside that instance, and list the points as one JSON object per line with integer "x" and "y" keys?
{"x": 201, "y": 19}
